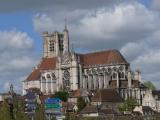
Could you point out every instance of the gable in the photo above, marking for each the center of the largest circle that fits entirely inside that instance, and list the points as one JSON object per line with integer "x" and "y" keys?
{"x": 45, "y": 64}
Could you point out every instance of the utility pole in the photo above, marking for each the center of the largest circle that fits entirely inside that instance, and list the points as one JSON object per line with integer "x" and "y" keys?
{"x": 49, "y": 116}
{"x": 32, "y": 117}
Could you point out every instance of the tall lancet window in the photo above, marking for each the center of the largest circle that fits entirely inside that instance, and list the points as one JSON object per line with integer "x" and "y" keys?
{"x": 53, "y": 77}
{"x": 66, "y": 80}
{"x": 43, "y": 84}
{"x": 102, "y": 81}
{"x": 61, "y": 46}
{"x": 114, "y": 75}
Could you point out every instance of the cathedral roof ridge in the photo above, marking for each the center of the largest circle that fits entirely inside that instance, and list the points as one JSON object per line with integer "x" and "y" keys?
{"x": 98, "y": 51}
{"x": 109, "y": 57}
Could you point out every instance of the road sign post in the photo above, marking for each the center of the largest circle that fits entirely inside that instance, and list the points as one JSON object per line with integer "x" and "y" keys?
{"x": 53, "y": 107}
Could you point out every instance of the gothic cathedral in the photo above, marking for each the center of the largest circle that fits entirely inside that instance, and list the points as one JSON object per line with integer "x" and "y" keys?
{"x": 63, "y": 69}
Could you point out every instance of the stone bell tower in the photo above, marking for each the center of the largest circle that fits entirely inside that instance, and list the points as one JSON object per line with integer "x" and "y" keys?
{"x": 55, "y": 44}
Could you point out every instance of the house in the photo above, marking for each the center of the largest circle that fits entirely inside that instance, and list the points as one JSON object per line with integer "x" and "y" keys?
{"x": 152, "y": 99}
{"x": 105, "y": 102}
{"x": 86, "y": 94}
{"x": 144, "y": 110}
{"x": 95, "y": 111}
{"x": 107, "y": 98}
{"x": 69, "y": 107}
{"x": 90, "y": 111}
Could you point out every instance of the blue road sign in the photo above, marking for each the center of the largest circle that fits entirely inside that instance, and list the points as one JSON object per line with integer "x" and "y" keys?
{"x": 53, "y": 101}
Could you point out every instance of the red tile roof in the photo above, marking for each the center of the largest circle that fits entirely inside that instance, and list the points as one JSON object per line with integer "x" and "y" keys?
{"x": 107, "y": 95}
{"x": 89, "y": 109}
{"x": 102, "y": 57}
{"x": 80, "y": 92}
{"x": 35, "y": 75}
{"x": 46, "y": 64}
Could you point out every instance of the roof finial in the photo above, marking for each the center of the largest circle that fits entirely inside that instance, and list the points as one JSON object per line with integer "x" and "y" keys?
{"x": 72, "y": 48}
{"x": 65, "y": 26}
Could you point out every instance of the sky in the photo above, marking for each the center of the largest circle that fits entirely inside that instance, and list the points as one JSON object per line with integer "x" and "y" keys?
{"x": 131, "y": 26}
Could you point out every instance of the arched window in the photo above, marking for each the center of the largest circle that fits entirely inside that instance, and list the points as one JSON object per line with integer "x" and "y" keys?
{"x": 93, "y": 71}
{"x": 114, "y": 75}
{"x": 66, "y": 79}
{"x": 53, "y": 76}
{"x": 86, "y": 78}
{"x": 43, "y": 79}
{"x": 109, "y": 70}
{"x": 114, "y": 69}
{"x": 104, "y": 70}
{"x": 102, "y": 80}
{"x": 48, "y": 75}
{"x": 121, "y": 75}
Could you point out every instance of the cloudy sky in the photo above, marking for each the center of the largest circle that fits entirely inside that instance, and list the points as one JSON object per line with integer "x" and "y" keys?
{"x": 131, "y": 26}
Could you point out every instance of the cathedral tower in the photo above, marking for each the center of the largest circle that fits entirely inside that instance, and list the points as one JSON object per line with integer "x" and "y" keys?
{"x": 55, "y": 44}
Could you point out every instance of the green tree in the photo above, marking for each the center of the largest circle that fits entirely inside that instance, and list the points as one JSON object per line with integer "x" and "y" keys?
{"x": 40, "y": 113}
{"x": 149, "y": 85}
{"x": 62, "y": 95}
{"x": 81, "y": 103}
{"x": 18, "y": 110}
{"x": 128, "y": 105}
{"x": 5, "y": 111}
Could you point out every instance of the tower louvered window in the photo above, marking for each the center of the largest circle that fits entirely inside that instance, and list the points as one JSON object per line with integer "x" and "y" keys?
{"x": 61, "y": 46}
{"x": 51, "y": 45}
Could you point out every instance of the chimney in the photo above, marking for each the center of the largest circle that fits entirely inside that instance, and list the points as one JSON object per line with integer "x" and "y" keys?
{"x": 137, "y": 75}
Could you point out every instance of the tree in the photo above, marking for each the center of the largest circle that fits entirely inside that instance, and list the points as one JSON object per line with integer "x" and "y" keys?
{"x": 62, "y": 95}
{"x": 128, "y": 105}
{"x": 149, "y": 85}
{"x": 81, "y": 103}
{"x": 40, "y": 113}
{"x": 5, "y": 111}
{"x": 18, "y": 110}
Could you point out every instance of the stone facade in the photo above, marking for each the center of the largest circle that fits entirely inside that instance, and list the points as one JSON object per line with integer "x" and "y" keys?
{"x": 61, "y": 68}
{"x": 152, "y": 100}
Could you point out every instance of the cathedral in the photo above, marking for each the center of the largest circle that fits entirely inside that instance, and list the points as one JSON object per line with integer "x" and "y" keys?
{"x": 63, "y": 69}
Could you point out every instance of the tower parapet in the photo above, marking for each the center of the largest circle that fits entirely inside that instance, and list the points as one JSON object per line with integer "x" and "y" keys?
{"x": 55, "y": 44}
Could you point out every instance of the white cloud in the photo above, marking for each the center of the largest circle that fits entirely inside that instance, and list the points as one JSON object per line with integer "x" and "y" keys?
{"x": 15, "y": 39}
{"x": 132, "y": 50}
{"x": 106, "y": 27}
{"x": 156, "y": 4}
{"x": 149, "y": 61}
{"x": 17, "y": 57}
